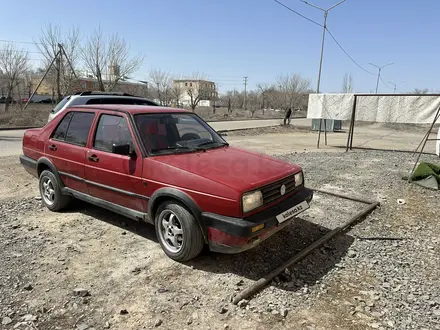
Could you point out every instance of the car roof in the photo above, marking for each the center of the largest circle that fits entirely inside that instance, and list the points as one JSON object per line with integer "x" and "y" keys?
{"x": 132, "y": 109}
{"x": 106, "y": 96}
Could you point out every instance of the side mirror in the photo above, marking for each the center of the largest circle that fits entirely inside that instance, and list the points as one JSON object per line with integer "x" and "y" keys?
{"x": 123, "y": 149}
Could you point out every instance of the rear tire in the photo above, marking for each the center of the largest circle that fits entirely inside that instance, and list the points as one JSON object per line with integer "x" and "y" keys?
{"x": 178, "y": 232}
{"x": 51, "y": 193}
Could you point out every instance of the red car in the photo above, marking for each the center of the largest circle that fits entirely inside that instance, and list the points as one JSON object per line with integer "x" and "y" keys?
{"x": 167, "y": 167}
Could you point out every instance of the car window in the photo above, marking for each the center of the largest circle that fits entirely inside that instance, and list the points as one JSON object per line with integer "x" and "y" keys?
{"x": 111, "y": 129}
{"x": 189, "y": 128}
{"x": 61, "y": 130}
{"x": 60, "y": 105}
{"x": 175, "y": 133}
{"x": 79, "y": 128}
{"x": 115, "y": 100}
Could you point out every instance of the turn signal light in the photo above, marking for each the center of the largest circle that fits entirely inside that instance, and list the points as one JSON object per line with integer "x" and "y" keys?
{"x": 257, "y": 228}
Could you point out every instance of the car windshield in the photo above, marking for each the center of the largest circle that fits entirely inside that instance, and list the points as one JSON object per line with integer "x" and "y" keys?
{"x": 176, "y": 133}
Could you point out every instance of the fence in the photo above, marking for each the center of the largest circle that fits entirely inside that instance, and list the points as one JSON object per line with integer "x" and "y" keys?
{"x": 410, "y": 112}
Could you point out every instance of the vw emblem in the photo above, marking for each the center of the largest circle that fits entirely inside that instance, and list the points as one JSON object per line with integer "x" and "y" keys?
{"x": 283, "y": 190}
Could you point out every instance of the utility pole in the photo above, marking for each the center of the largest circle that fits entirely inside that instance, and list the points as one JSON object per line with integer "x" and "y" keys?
{"x": 63, "y": 51}
{"x": 41, "y": 80}
{"x": 378, "y": 74}
{"x": 60, "y": 53}
{"x": 323, "y": 35}
{"x": 245, "y": 85}
{"x": 59, "y": 59}
{"x": 395, "y": 86}
{"x": 320, "y": 60}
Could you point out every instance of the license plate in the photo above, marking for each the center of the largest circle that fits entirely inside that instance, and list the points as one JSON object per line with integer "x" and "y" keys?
{"x": 290, "y": 213}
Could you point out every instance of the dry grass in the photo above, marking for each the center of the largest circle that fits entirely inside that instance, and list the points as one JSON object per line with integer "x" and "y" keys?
{"x": 35, "y": 115}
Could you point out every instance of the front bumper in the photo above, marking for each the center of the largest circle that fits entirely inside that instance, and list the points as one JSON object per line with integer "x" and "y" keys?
{"x": 234, "y": 235}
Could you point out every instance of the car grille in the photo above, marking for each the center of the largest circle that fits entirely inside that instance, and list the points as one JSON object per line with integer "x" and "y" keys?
{"x": 272, "y": 191}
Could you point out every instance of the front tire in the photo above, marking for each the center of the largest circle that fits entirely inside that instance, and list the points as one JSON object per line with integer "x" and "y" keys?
{"x": 50, "y": 192}
{"x": 178, "y": 232}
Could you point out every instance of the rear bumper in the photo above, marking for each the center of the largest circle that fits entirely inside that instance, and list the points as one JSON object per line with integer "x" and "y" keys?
{"x": 234, "y": 235}
{"x": 29, "y": 164}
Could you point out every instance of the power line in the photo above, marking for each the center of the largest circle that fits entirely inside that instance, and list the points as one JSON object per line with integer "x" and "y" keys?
{"x": 331, "y": 35}
{"x": 378, "y": 73}
{"x": 348, "y": 55}
{"x": 21, "y": 51}
{"x": 20, "y": 42}
{"x": 294, "y": 11}
{"x": 384, "y": 83}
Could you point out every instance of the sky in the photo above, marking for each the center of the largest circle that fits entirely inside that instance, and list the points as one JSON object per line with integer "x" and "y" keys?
{"x": 228, "y": 39}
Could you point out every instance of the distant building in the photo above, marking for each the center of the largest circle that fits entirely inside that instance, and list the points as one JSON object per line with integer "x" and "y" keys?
{"x": 196, "y": 87}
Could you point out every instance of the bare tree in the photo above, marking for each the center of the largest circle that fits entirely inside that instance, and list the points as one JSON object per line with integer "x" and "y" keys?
{"x": 177, "y": 91}
{"x": 347, "y": 83}
{"x": 49, "y": 44}
{"x": 161, "y": 82}
{"x": 274, "y": 98}
{"x": 13, "y": 65}
{"x": 265, "y": 91}
{"x": 108, "y": 60}
{"x": 420, "y": 91}
{"x": 24, "y": 87}
{"x": 253, "y": 101}
{"x": 292, "y": 87}
{"x": 234, "y": 99}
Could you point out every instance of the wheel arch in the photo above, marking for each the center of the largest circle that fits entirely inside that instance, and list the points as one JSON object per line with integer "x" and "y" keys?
{"x": 163, "y": 194}
{"x": 45, "y": 164}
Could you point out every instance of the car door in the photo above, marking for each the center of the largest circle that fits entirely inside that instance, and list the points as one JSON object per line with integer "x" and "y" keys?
{"x": 66, "y": 148}
{"x": 112, "y": 177}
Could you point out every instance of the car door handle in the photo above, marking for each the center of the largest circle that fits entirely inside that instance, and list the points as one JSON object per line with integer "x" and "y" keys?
{"x": 93, "y": 158}
{"x": 53, "y": 147}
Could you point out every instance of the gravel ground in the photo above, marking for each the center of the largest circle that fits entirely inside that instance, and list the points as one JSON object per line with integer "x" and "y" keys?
{"x": 282, "y": 129}
{"x": 87, "y": 268}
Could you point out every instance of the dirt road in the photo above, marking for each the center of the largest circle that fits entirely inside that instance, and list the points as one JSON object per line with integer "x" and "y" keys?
{"x": 281, "y": 139}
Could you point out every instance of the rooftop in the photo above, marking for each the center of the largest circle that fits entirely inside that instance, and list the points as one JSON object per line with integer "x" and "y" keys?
{"x": 193, "y": 80}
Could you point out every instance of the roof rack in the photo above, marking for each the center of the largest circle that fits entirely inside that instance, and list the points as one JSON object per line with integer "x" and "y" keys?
{"x": 102, "y": 93}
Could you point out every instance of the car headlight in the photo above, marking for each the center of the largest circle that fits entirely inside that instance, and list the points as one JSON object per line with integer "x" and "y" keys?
{"x": 252, "y": 200}
{"x": 299, "y": 179}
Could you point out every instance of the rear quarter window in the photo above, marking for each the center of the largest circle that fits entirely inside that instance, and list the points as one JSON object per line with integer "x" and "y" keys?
{"x": 61, "y": 130}
{"x": 74, "y": 128}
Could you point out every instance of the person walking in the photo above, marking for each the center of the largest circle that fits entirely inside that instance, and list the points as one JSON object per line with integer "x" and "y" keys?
{"x": 287, "y": 117}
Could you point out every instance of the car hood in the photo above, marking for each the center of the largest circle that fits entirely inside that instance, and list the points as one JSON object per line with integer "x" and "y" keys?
{"x": 236, "y": 168}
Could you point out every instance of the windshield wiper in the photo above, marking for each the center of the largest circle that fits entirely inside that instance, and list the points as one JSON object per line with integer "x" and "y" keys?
{"x": 210, "y": 142}
{"x": 172, "y": 148}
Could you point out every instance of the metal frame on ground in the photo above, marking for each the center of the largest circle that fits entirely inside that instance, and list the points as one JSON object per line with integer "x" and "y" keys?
{"x": 262, "y": 282}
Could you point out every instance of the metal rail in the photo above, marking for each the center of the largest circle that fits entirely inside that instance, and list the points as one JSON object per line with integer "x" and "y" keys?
{"x": 262, "y": 282}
